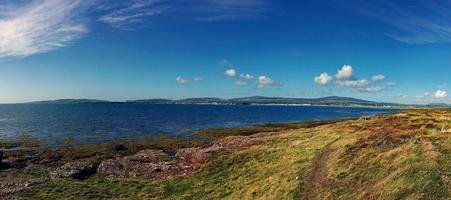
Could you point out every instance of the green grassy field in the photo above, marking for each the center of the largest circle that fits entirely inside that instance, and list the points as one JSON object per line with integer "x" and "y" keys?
{"x": 398, "y": 156}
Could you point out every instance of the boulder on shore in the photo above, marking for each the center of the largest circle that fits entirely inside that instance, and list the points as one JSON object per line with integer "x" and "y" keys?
{"x": 194, "y": 156}
{"x": 146, "y": 156}
{"x": 147, "y": 163}
{"x": 76, "y": 170}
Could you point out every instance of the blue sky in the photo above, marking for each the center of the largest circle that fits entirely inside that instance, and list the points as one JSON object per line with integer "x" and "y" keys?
{"x": 391, "y": 51}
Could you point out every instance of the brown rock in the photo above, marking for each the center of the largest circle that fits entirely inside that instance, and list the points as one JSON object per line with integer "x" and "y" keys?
{"x": 112, "y": 167}
{"x": 145, "y": 164}
{"x": 14, "y": 186}
{"x": 77, "y": 170}
{"x": 195, "y": 156}
{"x": 146, "y": 156}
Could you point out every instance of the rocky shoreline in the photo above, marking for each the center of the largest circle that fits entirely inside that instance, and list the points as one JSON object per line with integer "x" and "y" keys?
{"x": 151, "y": 160}
{"x": 149, "y": 164}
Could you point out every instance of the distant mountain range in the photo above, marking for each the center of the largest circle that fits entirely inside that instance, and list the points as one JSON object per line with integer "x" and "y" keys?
{"x": 69, "y": 101}
{"x": 439, "y": 105}
{"x": 260, "y": 100}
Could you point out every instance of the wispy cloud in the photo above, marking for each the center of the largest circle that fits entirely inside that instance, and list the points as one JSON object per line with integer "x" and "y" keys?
{"x": 414, "y": 22}
{"x": 378, "y": 78}
{"x": 240, "y": 82}
{"x": 40, "y": 26}
{"x": 228, "y": 10}
{"x": 128, "y": 13}
{"x": 197, "y": 79}
{"x": 180, "y": 80}
{"x": 247, "y": 76}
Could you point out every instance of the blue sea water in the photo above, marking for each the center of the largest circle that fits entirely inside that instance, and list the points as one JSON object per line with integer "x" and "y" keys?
{"x": 94, "y": 123}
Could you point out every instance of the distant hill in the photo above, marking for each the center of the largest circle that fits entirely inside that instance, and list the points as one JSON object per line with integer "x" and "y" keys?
{"x": 200, "y": 100}
{"x": 329, "y": 100}
{"x": 443, "y": 105}
{"x": 260, "y": 100}
{"x": 70, "y": 101}
{"x": 335, "y": 99}
{"x": 151, "y": 101}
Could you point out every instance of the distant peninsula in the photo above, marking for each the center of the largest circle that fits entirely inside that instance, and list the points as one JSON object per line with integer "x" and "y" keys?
{"x": 254, "y": 100}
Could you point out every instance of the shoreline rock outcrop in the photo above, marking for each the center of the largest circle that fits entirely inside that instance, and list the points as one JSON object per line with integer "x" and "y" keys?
{"x": 156, "y": 164}
{"x": 76, "y": 170}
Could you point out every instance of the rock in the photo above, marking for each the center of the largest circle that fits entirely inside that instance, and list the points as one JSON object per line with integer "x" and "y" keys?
{"x": 120, "y": 147}
{"x": 76, "y": 170}
{"x": 146, "y": 164}
{"x": 14, "y": 186}
{"x": 112, "y": 167}
{"x": 155, "y": 164}
{"x": 146, "y": 156}
{"x": 1, "y": 156}
{"x": 365, "y": 118}
{"x": 195, "y": 156}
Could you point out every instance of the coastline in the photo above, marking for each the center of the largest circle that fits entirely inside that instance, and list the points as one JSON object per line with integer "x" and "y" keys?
{"x": 141, "y": 121}
{"x": 269, "y": 148}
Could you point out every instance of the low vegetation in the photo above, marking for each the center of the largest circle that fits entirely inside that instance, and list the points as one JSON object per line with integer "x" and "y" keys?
{"x": 397, "y": 156}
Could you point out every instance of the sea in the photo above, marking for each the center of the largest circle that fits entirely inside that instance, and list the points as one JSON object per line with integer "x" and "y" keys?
{"x": 96, "y": 123}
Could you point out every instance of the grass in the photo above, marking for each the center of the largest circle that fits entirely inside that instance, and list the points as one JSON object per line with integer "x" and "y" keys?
{"x": 397, "y": 156}
{"x": 215, "y": 133}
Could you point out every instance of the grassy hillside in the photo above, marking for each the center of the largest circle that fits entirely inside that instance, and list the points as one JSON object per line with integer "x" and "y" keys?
{"x": 399, "y": 156}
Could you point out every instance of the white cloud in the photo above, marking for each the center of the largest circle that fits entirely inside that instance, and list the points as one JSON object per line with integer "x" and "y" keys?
{"x": 180, "y": 80}
{"x": 264, "y": 81}
{"x": 323, "y": 79}
{"x": 440, "y": 94}
{"x": 391, "y": 84}
{"x": 378, "y": 77}
{"x": 226, "y": 64}
{"x": 37, "y": 26}
{"x": 230, "y": 10}
{"x": 372, "y": 89}
{"x": 353, "y": 83}
{"x": 133, "y": 12}
{"x": 246, "y": 76}
{"x": 230, "y": 72}
{"x": 241, "y": 83}
{"x": 40, "y": 26}
{"x": 198, "y": 79}
{"x": 345, "y": 72}
{"x": 399, "y": 96}
{"x": 345, "y": 79}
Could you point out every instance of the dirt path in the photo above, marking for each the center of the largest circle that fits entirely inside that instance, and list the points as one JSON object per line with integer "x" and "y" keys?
{"x": 317, "y": 178}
